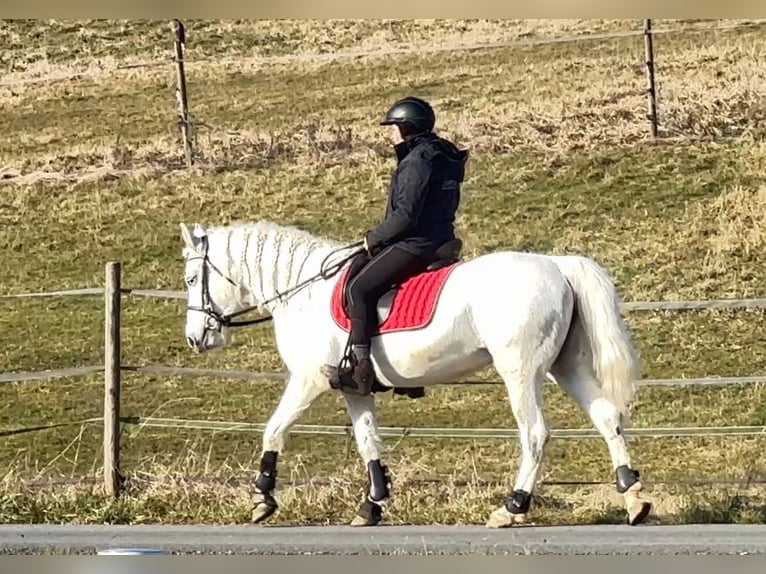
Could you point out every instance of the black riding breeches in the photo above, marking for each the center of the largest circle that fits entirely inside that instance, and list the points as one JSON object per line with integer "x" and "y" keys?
{"x": 369, "y": 279}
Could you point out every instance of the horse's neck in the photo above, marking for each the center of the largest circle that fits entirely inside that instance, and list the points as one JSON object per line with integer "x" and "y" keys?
{"x": 273, "y": 260}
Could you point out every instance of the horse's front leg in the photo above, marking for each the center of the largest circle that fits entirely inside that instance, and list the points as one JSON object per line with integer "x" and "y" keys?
{"x": 300, "y": 393}
{"x": 369, "y": 444}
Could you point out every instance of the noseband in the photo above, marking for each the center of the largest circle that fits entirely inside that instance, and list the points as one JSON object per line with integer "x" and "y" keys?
{"x": 216, "y": 321}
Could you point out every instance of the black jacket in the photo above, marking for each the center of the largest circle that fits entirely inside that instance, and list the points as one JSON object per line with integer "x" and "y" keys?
{"x": 424, "y": 196}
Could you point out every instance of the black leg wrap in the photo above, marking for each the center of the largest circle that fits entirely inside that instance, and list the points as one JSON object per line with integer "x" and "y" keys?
{"x": 518, "y": 502}
{"x": 625, "y": 478}
{"x": 378, "y": 480}
{"x": 267, "y": 479}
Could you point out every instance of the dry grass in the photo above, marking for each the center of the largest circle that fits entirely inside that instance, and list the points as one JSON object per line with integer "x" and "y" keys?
{"x": 219, "y": 496}
{"x": 255, "y": 119}
{"x": 560, "y": 163}
{"x": 735, "y": 225}
{"x": 196, "y": 476}
{"x": 93, "y": 47}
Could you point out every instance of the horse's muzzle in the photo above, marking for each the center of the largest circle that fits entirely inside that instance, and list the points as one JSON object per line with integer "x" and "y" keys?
{"x": 195, "y": 345}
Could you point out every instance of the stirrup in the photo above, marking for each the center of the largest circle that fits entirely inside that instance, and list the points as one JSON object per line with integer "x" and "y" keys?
{"x": 342, "y": 378}
{"x": 366, "y": 387}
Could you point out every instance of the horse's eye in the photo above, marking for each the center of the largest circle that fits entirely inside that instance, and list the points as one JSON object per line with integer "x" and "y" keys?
{"x": 191, "y": 280}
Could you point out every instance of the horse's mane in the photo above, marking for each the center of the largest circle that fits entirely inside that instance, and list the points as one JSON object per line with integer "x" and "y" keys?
{"x": 263, "y": 228}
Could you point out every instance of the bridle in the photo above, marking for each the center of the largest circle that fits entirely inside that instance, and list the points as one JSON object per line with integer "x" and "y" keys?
{"x": 216, "y": 321}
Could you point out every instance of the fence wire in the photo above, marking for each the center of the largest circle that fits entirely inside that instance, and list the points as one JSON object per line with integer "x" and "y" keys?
{"x": 25, "y": 430}
{"x": 19, "y": 377}
{"x": 399, "y": 432}
{"x": 441, "y": 432}
{"x": 140, "y": 479}
{"x": 680, "y": 305}
{"x": 52, "y": 78}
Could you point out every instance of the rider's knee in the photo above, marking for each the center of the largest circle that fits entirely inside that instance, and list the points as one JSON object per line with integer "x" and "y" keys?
{"x": 358, "y": 291}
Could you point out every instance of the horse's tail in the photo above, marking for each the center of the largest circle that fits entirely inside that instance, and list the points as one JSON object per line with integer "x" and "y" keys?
{"x": 597, "y": 306}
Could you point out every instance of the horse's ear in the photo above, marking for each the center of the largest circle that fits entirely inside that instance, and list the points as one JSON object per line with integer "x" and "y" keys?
{"x": 190, "y": 240}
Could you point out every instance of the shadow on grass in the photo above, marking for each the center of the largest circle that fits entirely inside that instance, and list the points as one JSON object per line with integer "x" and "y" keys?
{"x": 690, "y": 508}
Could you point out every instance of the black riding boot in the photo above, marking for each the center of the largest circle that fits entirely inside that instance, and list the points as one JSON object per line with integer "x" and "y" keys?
{"x": 364, "y": 373}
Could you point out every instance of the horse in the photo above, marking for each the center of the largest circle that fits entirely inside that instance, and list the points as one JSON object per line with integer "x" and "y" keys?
{"x": 528, "y": 315}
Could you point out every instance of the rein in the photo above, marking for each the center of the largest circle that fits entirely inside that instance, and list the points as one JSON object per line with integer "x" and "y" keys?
{"x": 219, "y": 320}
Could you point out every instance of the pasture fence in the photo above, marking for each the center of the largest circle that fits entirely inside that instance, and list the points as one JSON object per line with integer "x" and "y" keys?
{"x": 113, "y": 367}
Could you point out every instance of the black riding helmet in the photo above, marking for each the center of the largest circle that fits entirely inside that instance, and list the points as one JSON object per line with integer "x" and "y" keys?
{"x": 412, "y": 115}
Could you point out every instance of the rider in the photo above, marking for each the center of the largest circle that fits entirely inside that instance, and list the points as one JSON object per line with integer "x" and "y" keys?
{"x": 423, "y": 198}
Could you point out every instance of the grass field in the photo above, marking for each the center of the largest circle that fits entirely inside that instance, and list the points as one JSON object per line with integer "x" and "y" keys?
{"x": 92, "y": 171}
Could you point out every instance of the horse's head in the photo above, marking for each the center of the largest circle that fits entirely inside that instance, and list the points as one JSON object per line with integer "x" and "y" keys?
{"x": 211, "y": 294}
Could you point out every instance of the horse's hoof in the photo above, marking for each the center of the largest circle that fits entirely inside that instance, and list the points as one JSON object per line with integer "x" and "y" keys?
{"x": 264, "y": 506}
{"x": 638, "y": 509}
{"x": 369, "y": 514}
{"x": 364, "y": 521}
{"x": 501, "y": 518}
{"x": 638, "y": 512}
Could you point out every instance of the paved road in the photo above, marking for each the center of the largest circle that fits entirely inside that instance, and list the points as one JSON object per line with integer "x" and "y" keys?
{"x": 246, "y": 539}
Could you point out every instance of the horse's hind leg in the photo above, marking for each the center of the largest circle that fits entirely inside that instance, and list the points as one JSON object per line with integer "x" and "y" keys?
{"x": 573, "y": 372}
{"x": 523, "y": 379}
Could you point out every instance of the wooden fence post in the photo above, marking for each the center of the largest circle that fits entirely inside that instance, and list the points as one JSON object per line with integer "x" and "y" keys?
{"x": 112, "y": 478}
{"x": 181, "y": 96}
{"x": 651, "y": 88}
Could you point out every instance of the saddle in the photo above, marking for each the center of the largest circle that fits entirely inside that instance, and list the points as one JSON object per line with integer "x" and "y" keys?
{"x": 447, "y": 254}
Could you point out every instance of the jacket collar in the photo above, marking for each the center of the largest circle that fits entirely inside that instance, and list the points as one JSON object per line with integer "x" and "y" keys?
{"x": 410, "y": 142}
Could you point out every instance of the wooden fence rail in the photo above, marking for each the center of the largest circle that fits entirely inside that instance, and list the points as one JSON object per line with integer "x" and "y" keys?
{"x": 113, "y": 367}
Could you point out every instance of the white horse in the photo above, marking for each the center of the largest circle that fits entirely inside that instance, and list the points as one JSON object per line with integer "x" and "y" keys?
{"x": 526, "y": 314}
